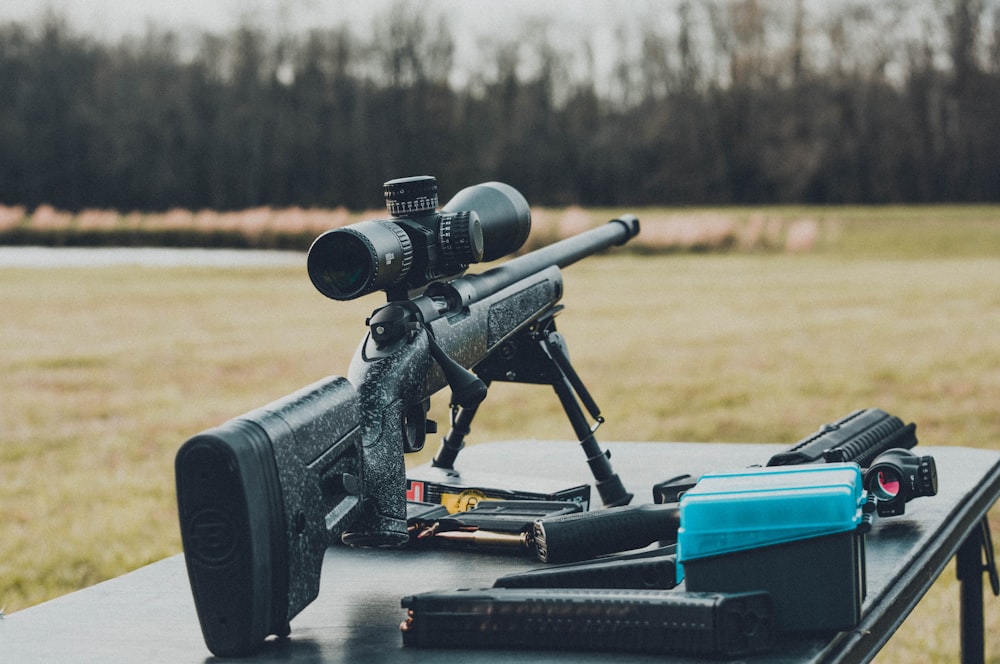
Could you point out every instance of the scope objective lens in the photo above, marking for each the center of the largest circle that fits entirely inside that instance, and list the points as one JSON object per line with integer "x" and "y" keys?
{"x": 347, "y": 267}
{"x": 355, "y": 260}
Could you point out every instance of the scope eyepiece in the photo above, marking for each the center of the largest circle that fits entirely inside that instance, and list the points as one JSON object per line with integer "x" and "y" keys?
{"x": 898, "y": 476}
{"x": 419, "y": 244}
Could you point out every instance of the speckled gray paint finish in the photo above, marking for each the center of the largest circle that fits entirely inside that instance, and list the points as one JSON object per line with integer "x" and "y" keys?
{"x": 315, "y": 435}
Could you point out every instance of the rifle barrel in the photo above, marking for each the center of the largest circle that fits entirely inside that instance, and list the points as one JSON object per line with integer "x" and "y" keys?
{"x": 562, "y": 253}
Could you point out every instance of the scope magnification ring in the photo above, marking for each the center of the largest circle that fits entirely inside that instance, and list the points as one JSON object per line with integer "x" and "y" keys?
{"x": 461, "y": 238}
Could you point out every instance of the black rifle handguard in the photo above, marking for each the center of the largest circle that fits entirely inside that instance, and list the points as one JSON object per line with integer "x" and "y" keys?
{"x": 859, "y": 437}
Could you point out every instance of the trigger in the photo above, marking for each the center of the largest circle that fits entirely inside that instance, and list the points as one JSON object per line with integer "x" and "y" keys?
{"x": 416, "y": 426}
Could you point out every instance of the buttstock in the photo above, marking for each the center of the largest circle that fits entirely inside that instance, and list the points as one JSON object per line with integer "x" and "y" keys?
{"x": 260, "y": 498}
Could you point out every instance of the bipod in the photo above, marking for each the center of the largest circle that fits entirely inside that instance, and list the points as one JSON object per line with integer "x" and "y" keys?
{"x": 537, "y": 355}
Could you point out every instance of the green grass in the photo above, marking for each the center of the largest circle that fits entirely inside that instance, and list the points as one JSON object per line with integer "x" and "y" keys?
{"x": 106, "y": 371}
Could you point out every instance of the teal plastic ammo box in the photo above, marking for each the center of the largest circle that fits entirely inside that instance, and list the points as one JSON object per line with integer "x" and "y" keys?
{"x": 797, "y": 532}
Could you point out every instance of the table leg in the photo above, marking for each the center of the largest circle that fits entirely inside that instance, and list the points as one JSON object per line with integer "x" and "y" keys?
{"x": 970, "y": 568}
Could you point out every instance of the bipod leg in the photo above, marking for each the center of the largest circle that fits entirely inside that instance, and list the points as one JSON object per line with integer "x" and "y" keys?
{"x": 453, "y": 442}
{"x": 555, "y": 348}
{"x": 568, "y": 387}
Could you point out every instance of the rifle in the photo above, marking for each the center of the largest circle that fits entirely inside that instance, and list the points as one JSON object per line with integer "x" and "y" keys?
{"x": 262, "y": 496}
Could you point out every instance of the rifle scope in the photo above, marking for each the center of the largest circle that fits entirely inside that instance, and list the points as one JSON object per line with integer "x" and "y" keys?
{"x": 419, "y": 244}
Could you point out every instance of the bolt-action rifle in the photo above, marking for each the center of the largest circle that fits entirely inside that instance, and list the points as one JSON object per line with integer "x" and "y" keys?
{"x": 262, "y": 496}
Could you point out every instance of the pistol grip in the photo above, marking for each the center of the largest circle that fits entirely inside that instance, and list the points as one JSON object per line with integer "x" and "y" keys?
{"x": 383, "y": 521}
{"x": 390, "y": 385}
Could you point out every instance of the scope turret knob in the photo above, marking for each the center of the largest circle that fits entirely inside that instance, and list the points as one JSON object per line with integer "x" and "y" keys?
{"x": 411, "y": 197}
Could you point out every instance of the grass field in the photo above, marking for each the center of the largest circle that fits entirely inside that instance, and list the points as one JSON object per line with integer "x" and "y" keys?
{"x": 106, "y": 371}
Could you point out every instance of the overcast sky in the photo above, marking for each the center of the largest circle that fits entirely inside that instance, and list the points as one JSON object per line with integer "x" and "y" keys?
{"x": 113, "y": 18}
{"x": 471, "y": 20}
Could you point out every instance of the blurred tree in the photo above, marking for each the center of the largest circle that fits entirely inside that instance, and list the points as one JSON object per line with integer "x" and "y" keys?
{"x": 715, "y": 101}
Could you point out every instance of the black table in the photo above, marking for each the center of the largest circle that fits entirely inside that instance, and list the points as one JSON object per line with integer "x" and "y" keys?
{"x": 148, "y": 615}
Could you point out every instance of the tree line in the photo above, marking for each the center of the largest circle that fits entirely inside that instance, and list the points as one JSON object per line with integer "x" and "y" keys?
{"x": 702, "y": 102}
